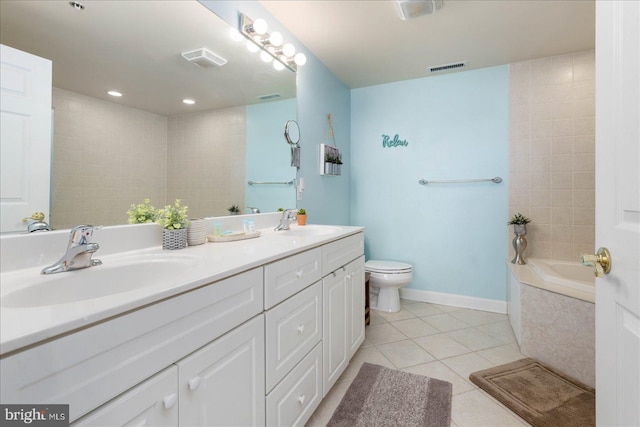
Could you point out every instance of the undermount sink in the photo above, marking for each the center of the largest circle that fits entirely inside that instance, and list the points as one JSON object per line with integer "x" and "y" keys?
{"x": 311, "y": 230}
{"x": 111, "y": 278}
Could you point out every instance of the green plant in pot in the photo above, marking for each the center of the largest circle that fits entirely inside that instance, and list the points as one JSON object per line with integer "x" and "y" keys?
{"x": 302, "y": 217}
{"x": 519, "y": 242}
{"x": 174, "y": 222}
{"x": 234, "y": 210}
{"x": 519, "y": 223}
{"x": 142, "y": 213}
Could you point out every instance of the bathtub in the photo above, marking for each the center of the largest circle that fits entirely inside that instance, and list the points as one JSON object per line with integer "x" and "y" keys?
{"x": 551, "y": 307}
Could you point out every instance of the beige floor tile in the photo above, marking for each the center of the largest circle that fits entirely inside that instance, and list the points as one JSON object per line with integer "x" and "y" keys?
{"x": 499, "y": 330}
{"x": 405, "y": 353}
{"x": 474, "y": 338}
{"x": 445, "y": 322}
{"x": 414, "y": 328}
{"x": 474, "y": 408}
{"x": 465, "y": 364}
{"x": 384, "y": 333}
{"x": 422, "y": 309}
{"x": 376, "y": 319}
{"x": 441, "y": 346}
{"x": 477, "y": 317}
{"x": 364, "y": 354}
{"x": 399, "y": 315}
{"x": 446, "y": 308}
{"x": 504, "y": 354}
{"x": 440, "y": 371}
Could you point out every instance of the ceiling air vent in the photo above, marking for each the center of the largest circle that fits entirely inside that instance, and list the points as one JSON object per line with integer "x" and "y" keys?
{"x": 447, "y": 67}
{"x": 270, "y": 96}
{"x": 204, "y": 58}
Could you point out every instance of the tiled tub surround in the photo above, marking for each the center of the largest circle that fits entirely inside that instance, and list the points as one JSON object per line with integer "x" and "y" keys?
{"x": 551, "y": 326}
{"x": 551, "y": 153}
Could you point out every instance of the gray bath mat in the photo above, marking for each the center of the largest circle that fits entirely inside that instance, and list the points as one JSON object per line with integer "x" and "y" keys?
{"x": 541, "y": 395}
{"x": 380, "y": 396}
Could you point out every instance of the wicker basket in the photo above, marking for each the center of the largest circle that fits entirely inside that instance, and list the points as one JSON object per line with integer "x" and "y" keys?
{"x": 174, "y": 239}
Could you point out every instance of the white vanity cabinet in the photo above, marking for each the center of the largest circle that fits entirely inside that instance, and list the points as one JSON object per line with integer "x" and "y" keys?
{"x": 343, "y": 305}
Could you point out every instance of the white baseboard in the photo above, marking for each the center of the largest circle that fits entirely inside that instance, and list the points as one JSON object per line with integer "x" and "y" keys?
{"x": 475, "y": 303}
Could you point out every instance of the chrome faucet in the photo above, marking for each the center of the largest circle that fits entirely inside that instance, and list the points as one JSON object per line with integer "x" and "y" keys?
{"x": 79, "y": 251}
{"x": 288, "y": 215}
{"x": 253, "y": 210}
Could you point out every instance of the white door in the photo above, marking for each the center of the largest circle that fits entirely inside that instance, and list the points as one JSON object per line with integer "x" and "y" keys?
{"x": 618, "y": 212}
{"x": 25, "y": 138}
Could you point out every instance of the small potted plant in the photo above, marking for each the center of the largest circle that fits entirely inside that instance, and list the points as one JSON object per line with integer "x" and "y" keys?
{"x": 174, "y": 222}
{"x": 302, "y": 217}
{"x": 142, "y": 213}
{"x": 519, "y": 223}
{"x": 234, "y": 210}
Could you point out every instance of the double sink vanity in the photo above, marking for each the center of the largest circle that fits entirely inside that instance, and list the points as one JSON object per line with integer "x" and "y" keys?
{"x": 252, "y": 332}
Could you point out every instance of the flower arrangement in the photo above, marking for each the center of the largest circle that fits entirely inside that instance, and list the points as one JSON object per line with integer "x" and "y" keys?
{"x": 142, "y": 213}
{"x": 519, "y": 219}
{"x": 173, "y": 217}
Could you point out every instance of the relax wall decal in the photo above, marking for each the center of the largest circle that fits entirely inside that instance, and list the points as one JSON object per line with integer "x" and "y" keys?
{"x": 395, "y": 142}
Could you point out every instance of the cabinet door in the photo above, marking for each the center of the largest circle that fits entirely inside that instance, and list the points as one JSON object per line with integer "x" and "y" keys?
{"x": 222, "y": 384}
{"x": 151, "y": 403}
{"x": 355, "y": 289}
{"x": 334, "y": 334}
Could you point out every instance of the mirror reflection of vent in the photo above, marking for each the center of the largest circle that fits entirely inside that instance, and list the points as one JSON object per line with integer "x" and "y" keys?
{"x": 270, "y": 96}
{"x": 204, "y": 58}
{"x": 447, "y": 67}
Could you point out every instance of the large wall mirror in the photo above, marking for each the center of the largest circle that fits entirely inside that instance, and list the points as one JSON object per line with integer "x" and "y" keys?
{"x": 109, "y": 153}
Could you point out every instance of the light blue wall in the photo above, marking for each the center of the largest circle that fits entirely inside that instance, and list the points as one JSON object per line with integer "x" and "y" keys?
{"x": 268, "y": 156}
{"x": 319, "y": 93}
{"x": 457, "y": 127}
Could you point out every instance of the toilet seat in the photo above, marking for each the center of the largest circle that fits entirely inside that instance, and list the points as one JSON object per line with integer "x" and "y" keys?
{"x": 387, "y": 267}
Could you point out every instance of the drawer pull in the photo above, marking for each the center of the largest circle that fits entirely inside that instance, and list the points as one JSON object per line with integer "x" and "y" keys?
{"x": 334, "y": 274}
{"x": 194, "y": 383}
{"x": 299, "y": 273}
{"x": 301, "y": 399}
{"x": 170, "y": 401}
{"x": 300, "y": 329}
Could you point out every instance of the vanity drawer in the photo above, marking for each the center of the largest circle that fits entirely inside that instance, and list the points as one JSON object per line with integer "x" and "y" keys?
{"x": 292, "y": 329}
{"x": 341, "y": 252}
{"x": 293, "y": 401}
{"x": 286, "y": 277}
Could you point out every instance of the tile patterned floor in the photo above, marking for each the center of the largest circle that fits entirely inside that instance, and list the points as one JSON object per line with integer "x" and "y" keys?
{"x": 439, "y": 342}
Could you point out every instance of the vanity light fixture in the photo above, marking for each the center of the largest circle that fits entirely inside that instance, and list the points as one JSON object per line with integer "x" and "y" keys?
{"x": 271, "y": 44}
{"x": 115, "y": 93}
{"x": 188, "y": 101}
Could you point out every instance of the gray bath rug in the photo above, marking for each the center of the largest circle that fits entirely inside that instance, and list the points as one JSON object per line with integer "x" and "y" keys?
{"x": 539, "y": 394}
{"x": 380, "y": 396}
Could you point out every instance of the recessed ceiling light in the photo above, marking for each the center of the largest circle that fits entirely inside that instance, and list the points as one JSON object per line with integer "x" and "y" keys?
{"x": 188, "y": 101}
{"x": 115, "y": 93}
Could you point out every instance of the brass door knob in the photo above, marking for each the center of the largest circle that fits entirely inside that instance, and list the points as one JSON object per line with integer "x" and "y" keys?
{"x": 601, "y": 262}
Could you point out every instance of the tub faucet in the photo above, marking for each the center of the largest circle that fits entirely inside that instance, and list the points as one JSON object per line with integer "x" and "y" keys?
{"x": 288, "y": 215}
{"x": 79, "y": 251}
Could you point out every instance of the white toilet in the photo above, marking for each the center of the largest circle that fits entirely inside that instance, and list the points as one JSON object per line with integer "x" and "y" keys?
{"x": 387, "y": 277}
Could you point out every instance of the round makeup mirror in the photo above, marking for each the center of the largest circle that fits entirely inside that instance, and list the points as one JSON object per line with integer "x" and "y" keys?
{"x": 292, "y": 132}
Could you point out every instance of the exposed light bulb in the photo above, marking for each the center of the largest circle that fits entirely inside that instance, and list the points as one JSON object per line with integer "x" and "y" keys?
{"x": 278, "y": 65}
{"x": 260, "y": 26}
{"x": 300, "y": 59}
{"x": 265, "y": 56}
{"x": 252, "y": 47}
{"x": 276, "y": 38}
{"x": 235, "y": 34}
{"x": 188, "y": 101}
{"x": 289, "y": 50}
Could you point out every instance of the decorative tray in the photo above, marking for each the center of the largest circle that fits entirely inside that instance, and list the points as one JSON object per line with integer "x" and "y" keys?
{"x": 234, "y": 236}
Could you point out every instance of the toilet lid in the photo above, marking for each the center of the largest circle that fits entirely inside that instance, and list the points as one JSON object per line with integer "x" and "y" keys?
{"x": 376, "y": 266}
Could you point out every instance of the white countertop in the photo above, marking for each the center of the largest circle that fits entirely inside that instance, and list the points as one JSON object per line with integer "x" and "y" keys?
{"x": 25, "y": 326}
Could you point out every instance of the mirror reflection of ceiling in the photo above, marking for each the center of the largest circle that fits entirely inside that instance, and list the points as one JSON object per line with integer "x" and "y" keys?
{"x": 135, "y": 47}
